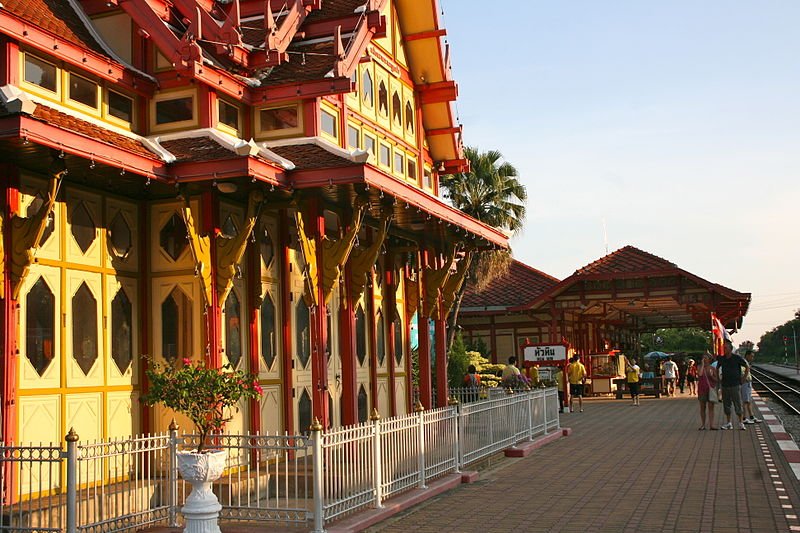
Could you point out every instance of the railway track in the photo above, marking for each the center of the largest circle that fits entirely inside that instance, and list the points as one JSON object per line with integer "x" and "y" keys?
{"x": 782, "y": 390}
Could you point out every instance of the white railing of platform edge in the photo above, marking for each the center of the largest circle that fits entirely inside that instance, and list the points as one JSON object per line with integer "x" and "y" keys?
{"x": 400, "y": 447}
{"x": 266, "y": 477}
{"x": 441, "y": 432}
{"x": 348, "y": 475}
{"x": 124, "y": 484}
{"x": 26, "y": 471}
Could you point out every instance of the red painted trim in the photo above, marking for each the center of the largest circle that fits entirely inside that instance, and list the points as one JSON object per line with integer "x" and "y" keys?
{"x": 424, "y": 350}
{"x": 76, "y": 144}
{"x": 206, "y": 107}
{"x": 9, "y": 62}
{"x": 440, "y": 331}
{"x": 434, "y": 93}
{"x": 10, "y": 356}
{"x": 213, "y": 334}
{"x": 75, "y": 55}
{"x": 286, "y": 322}
{"x": 236, "y": 167}
{"x": 452, "y": 130}
{"x": 319, "y": 323}
{"x": 372, "y": 331}
{"x": 389, "y": 310}
{"x": 431, "y": 34}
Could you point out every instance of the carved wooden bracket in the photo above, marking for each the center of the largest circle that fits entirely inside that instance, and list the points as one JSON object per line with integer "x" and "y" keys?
{"x": 335, "y": 253}
{"x": 454, "y": 283}
{"x": 362, "y": 260}
{"x": 433, "y": 280}
{"x": 412, "y": 296}
{"x": 230, "y": 251}
{"x": 26, "y": 236}
{"x": 201, "y": 251}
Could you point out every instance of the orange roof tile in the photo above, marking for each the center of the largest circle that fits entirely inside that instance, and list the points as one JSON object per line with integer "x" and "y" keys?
{"x": 311, "y": 157}
{"x": 76, "y": 125}
{"x": 197, "y": 149}
{"x": 57, "y": 17}
{"x": 625, "y": 260}
{"x": 520, "y": 286}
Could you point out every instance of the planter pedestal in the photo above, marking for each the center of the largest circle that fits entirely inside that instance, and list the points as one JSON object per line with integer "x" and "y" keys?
{"x": 202, "y": 507}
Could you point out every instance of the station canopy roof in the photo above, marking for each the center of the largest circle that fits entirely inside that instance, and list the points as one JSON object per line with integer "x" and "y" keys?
{"x": 629, "y": 288}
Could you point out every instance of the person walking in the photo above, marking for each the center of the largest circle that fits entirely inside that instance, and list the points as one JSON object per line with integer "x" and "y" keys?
{"x": 707, "y": 392}
{"x": 670, "y": 375}
{"x": 632, "y": 376}
{"x": 731, "y": 376}
{"x": 691, "y": 377}
{"x": 747, "y": 392}
{"x": 576, "y": 374}
{"x": 510, "y": 369}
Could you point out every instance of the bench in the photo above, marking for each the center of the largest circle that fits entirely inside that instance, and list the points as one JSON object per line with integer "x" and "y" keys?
{"x": 649, "y": 387}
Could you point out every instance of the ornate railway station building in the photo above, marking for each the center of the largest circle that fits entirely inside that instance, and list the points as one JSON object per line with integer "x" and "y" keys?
{"x": 244, "y": 182}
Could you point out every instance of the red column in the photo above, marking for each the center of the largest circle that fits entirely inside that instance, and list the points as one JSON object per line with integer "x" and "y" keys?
{"x": 286, "y": 321}
{"x": 347, "y": 345}
{"x": 254, "y": 290}
{"x": 440, "y": 331}
{"x": 144, "y": 307}
{"x": 425, "y": 386}
{"x": 210, "y": 209}
{"x": 9, "y": 356}
{"x": 319, "y": 323}
{"x": 390, "y": 308}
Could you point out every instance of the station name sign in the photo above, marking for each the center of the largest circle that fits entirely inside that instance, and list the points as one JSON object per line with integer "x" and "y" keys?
{"x": 554, "y": 352}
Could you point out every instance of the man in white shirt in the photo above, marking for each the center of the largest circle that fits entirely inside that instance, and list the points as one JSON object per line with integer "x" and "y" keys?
{"x": 670, "y": 375}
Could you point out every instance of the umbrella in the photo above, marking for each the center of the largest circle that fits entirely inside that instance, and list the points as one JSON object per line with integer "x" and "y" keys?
{"x": 656, "y": 355}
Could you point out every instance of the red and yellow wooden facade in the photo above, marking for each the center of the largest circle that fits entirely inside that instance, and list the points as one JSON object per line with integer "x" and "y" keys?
{"x": 252, "y": 183}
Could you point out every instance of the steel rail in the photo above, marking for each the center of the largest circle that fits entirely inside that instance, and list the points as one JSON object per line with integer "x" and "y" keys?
{"x": 757, "y": 374}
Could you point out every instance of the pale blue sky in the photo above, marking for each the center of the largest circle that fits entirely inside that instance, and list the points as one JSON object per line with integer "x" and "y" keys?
{"x": 678, "y": 122}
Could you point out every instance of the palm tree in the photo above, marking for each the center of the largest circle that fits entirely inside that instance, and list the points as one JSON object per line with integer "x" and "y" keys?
{"x": 492, "y": 193}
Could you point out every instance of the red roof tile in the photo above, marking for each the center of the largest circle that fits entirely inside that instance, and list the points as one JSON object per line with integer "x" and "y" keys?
{"x": 334, "y": 9}
{"x": 310, "y": 157}
{"x": 305, "y": 63}
{"x": 56, "y": 17}
{"x": 520, "y": 286}
{"x": 626, "y": 260}
{"x": 76, "y": 125}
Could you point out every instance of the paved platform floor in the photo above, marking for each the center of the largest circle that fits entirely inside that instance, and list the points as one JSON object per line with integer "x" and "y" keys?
{"x": 627, "y": 469}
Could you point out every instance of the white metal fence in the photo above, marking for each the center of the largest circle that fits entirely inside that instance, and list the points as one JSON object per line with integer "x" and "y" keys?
{"x": 127, "y": 484}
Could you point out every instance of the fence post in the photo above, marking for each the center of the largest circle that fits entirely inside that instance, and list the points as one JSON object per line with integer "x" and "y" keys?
{"x": 531, "y": 395}
{"x": 319, "y": 517}
{"x": 420, "y": 409}
{"x": 72, "y": 481}
{"x": 375, "y": 417}
{"x": 457, "y": 433}
{"x": 172, "y": 477}
{"x": 545, "y": 409}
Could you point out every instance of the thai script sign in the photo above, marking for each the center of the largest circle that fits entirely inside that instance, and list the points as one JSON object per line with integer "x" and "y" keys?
{"x": 554, "y": 352}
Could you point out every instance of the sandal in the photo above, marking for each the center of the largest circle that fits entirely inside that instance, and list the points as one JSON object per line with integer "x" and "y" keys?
{"x": 701, "y": 428}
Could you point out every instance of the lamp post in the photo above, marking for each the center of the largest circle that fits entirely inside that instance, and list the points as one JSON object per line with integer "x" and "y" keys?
{"x": 794, "y": 336}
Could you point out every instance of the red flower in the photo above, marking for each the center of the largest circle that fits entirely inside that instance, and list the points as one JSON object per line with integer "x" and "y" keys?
{"x": 186, "y": 361}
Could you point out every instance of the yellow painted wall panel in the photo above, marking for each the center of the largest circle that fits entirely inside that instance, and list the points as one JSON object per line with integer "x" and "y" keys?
{"x": 51, "y": 376}
{"x": 271, "y": 409}
{"x": 40, "y": 419}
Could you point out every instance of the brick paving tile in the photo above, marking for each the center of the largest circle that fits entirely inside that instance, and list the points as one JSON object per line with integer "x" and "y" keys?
{"x": 639, "y": 470}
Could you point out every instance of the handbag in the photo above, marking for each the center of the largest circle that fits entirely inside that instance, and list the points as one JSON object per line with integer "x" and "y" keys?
{"x": 713, "y": 396}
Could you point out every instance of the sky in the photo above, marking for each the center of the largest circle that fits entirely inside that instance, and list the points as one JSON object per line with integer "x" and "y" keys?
{"x": 673, "y": 124}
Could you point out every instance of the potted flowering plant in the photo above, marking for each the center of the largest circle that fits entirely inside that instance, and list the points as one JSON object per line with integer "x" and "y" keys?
{"x": 208, "y": 397}
{"x": 516, "y": 382}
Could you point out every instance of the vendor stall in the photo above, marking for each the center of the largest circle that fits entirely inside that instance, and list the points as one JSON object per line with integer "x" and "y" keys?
{"x": 604, "y": 369}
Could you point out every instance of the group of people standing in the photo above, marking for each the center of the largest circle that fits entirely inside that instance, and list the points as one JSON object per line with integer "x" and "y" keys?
{"x": 726, "y": 379}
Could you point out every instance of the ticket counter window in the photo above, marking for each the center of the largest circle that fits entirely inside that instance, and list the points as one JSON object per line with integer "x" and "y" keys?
{"x": 40, "y": 321}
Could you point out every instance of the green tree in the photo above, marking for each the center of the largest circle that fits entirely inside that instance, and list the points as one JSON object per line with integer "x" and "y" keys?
{"x": 778, "y": 344}
{"x": 457, "y": 363}
{"x": 692, "y": 340}
{"x": 492, "y": 193}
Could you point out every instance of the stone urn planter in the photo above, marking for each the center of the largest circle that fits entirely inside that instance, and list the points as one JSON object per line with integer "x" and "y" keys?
{"x": 202, "y": 507}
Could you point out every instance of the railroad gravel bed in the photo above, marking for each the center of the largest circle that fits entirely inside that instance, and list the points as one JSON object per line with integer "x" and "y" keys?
{"x": 790, "y": 420}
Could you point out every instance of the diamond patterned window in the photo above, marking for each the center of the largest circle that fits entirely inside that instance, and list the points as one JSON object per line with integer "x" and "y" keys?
{"x": 176, "y": 328}
{"x": 84, "y": 328}
{"x": 83, "y": 229}
{"x": 398, "y": 339}
{"x": 268, "y": 331}
{"x": 233, "y": 329}
{"x": 122, "y": 331}
{"x": 304, "y": 412}
{"x": 229, "y": 228}
{"x": 380, "y": 338}
{"x": 361, "y": 335}
{"x": 303, "y": 332}
{"x": 119, "y": 236}
{"x": 39, "y": 326}
{"x": 33, "y": 209}
{"x": 266, "y": 248}
{"x": 362, "y": 404}
{"x": 172, "y": 237}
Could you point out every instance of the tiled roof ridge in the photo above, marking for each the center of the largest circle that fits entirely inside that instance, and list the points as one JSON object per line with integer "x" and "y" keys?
{"x": 625, "y": 250}
{"x": 534, "y": 270}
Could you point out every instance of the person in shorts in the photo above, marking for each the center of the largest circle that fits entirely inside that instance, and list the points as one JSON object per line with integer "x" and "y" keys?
{"x": 576, "y": 374}
{"x": 670, "y": 375}
{"x": 747, "y": 392}
{"x": 632, "y": 373}
{"x": 732, "y": 376}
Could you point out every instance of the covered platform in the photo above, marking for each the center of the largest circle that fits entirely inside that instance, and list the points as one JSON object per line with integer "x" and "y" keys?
{"x": 626, "y": 469}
